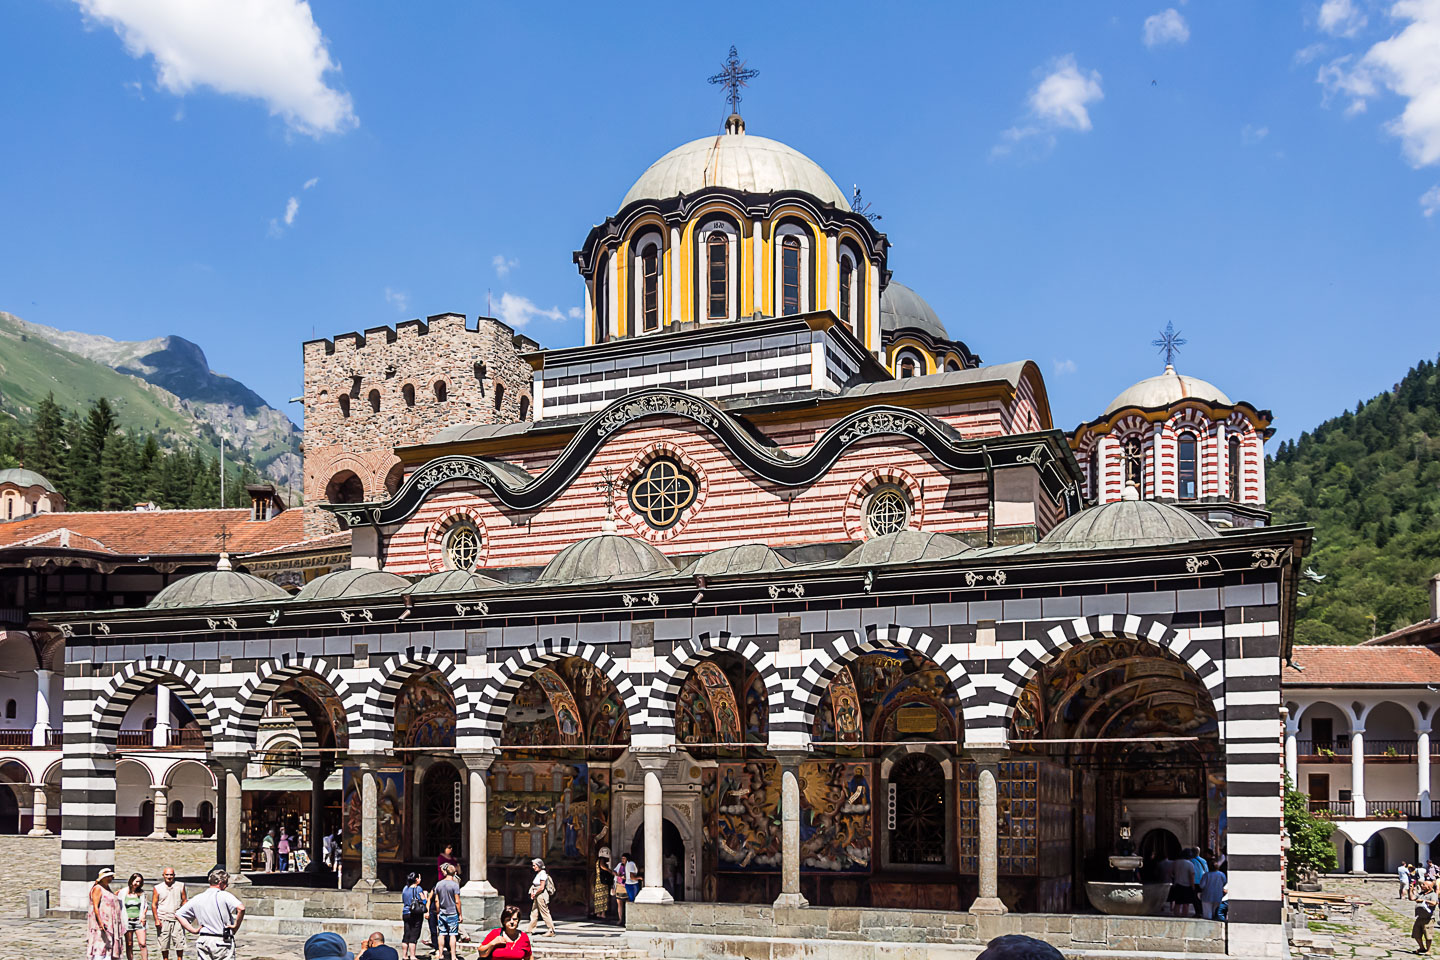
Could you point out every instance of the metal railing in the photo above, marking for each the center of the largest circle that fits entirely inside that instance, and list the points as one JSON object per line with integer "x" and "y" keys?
{"x": 1391, "y": 748}
{"x": 1332, "y": 808}
{"x": 187, "y": 738}
{"x": 1393, "y": 809}
{"x": 1323, "y": 748}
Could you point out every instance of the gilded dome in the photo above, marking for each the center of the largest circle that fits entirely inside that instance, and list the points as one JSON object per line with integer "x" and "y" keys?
{"x": 1166, "y": 389}
{"x": 345, "y": 584}
{"x": 606, "y": 555}
{"x": 903, "y": 309}
{"x": 214, "y": 588}
{"x": 739, "y": 161}
{"x": 1128, "y": 523}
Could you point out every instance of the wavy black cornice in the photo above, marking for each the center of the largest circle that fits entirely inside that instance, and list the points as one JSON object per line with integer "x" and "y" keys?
{"x": 1046, "y": 451}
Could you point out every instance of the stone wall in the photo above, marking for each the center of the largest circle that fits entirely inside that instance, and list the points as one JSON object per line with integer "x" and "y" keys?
{"x": 32, "y": 863}
{"x": 471, "y": 369}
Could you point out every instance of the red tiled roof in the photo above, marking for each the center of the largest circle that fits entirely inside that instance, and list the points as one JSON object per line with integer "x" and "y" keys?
{"x": 65, "y": 539}
{"x": 1346, "y": 666}
{"x": 159, "y": 532}
{"x": 330, "y": 541}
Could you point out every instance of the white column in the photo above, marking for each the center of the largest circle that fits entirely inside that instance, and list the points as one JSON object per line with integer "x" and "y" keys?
{"x": 1422, "y": 763}
{"x": 987, "y": 773}
{"x": 757, "y": 250}
{"x": 1357, "y": 771}
{"x": 40, "y": 811}
{"x": 676, "y": 273}
{"x": 161, "y": 735}
{"x": 161, "y": 825}
{"x": 40, "y": 734}
{"x": 653, "y": 869}
{"x": 589, "y": 313}
{"x": 1156, "y": 485}
{"x": 790, "y": 895}
{"x": 1357, "y": 857}
{"x": 1292, "y": 758}
{"x": 477, "y": 882}
{"x": 832, "y": 278}
{"x": 1222, "y": 459}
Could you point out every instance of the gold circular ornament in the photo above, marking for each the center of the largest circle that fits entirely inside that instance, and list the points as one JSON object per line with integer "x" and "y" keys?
{"x": 661, "y": 494}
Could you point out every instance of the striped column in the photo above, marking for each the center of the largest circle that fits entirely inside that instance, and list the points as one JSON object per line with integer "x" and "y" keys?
{"x": 87, "y": 801}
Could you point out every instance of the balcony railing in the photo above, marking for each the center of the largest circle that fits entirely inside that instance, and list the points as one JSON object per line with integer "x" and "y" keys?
{"x": 1398, "y": 749}
{"x": 25, "y": 740}
{"x": 1393, "y": 809}
{"x": 1330, "y": 809}
{"x": 188, "y": 738}
{"x": 1379, "y": 749}
{"x": 1323, "y": 748}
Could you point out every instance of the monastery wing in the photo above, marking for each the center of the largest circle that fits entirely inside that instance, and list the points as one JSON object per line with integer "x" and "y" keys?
{"x": 1043, "y": 450}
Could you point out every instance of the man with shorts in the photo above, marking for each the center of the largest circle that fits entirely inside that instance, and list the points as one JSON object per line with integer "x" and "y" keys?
{"x": 446, "y": 896}
{"x": 168, "y": 897}
{"x": 213, "y": 917}
{"x": 632, "y": 878}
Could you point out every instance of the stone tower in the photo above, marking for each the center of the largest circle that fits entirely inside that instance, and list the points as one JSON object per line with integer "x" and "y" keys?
{"x": 367, "y": 394}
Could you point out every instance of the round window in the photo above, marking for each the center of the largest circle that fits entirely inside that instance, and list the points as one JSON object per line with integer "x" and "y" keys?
{"x": 462, "y": 547}
{"x": 661, "y": 493}
{"x": 887, "y": 511}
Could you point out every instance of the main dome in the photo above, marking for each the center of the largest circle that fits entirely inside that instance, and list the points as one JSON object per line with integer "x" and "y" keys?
{"x": 739, "y": 161}
{"x": 903, "y": 309}
{"x": 1165, "y": 389}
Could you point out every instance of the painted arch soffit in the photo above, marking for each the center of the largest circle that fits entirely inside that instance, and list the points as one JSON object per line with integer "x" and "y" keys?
{"x": 1045, "y": 451}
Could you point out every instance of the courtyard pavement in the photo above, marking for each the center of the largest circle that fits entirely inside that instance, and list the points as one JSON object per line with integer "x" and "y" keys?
{"x": 1379, "y": 928}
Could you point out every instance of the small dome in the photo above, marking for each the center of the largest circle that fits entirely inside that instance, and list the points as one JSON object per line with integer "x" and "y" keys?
{"x": 345, "y": 584}
{"x": 903, "y": 309}
{"x": 215, "y": 588}
{"x": 904, "y": 547}
{"x": 25, "y": 478}
{"x": 1128, "y": 523}
{"x": 606, "y": 555}
{"x": 738, "y": 161}
{"x": 743, "y": 558}
{"x": 452, "y": 581}
{"x": 1166, "y": 389}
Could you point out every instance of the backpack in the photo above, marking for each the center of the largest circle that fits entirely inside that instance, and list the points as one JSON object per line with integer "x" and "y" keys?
{"x": 549, "y": 885}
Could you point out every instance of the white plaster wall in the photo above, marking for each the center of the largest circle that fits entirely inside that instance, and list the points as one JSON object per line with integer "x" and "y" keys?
{"x": 1391, "y": 781}
{"x": 132, "y": 788}
{"x": 1389, "y": 721}
{"x": 21, "y": 689}
{"x": 190, "y": 783}
{"x": 141, "y": 710}
{"x": 1339, "y": 776}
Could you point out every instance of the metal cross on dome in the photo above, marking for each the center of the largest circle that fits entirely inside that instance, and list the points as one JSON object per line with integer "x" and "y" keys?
{"x": 733, "y": 77}
{"x": 1169, "y": 342}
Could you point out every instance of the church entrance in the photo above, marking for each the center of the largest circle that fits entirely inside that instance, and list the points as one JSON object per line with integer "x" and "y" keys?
{"x": 672, "y": 859}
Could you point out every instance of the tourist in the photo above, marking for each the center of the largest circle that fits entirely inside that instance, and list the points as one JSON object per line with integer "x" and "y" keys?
{"x": 507, "y": 942}
{"x": 1432, "y": 872}
{"x": 268, "y": 846}
{"x": 1212, "y": 891}
{"x": 376, "y": 949}
{"x": 1424, "y": 913}
{"x": 167, "y": 897}
{"x": 105, "y": 923}
{"x": 137, "y": 911}
{"x": 327, "y": 850}
{"x": 1404, "y": 874}
{"x": 445, "y": 900}
{"x": 213, "y": 917}
{"x": 327, "y": 946}
{"x": 619, "y": 891}
{"x": 412, "y": 901}
{"x": 283, "y": 848}
{"x": 1016, "y": 946}
{"x": 542, "y": 888}
{"x": 604, "y": 879}
{"x": 446, "y": 857}
{"x": 632, "y": 878}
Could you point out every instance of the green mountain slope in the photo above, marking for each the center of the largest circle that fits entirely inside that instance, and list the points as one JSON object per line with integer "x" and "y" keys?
{"x": 1369, "y": 482}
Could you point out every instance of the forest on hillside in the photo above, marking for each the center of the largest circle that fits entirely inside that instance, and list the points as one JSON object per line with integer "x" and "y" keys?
{"x": 97, "y": 466}
{"x": 1369, "y": 482}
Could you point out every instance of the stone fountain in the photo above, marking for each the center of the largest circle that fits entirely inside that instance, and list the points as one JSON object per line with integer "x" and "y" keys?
{"x": 1127, "y": 898}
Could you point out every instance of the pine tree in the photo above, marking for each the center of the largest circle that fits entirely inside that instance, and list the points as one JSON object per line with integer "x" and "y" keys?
{"x": 46, "y": 449}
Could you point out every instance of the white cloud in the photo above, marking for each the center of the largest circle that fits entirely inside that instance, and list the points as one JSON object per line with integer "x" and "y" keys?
{"x": 575, "y": 313}
{"x": 1250, "y": 134}
{"x": 136, "y": 88}
{"x": 1340, "y": 18}
{"x": 503, "y": 266}
{"x": 1060, "y": 101}
{"x": 1430, "y": 201}
{"x": 1407, "y": 64}
{"x": 397, "y": 299}
{"x": 269, "y": 50}
{"x": 517, "y": 311}
{"x": 292, "y": 207}
{"x": 311, "y": 182}
{"x": 1167, "y": 26}
{"x": 1065, "y": 366}
{"x": 1306, "y": 54}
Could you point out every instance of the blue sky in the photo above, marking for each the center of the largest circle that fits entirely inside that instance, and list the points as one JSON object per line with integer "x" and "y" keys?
{"x": 1059, "y": 180}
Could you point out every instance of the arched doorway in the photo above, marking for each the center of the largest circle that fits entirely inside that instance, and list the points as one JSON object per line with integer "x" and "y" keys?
{"x": 440, "y": 808}
{"x": 917, "y": 823}
{"x": 1159, "y": 844}
{"x": 9, "y": 811}
{"x": 672, "y": 857}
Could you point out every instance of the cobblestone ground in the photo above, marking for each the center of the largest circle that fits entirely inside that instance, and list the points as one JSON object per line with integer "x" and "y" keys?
{"x": 32, "y": 863}
{"x": 1379, "y": 928}
{"x": 65, "y": 940}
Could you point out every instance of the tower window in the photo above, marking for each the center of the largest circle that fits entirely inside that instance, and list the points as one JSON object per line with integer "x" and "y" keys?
{"x": 602, "y": 301}
{"x": 718, "y": 258}
{"x": 10, "y": 710}
{"x": 374, "y": 401}
{"x": 440, "y": 391}
{"x": 344, "y": 405}
{"x": 847, "y": 282}
{"x": 1189, "y": 467}
{"x": 790, "y": 275}
{"x": 499, "y": 395}
{"x": 524, "y": 408}
{"x": 480, "y": 373}
{"x": 408, "y": 392}
{"x": 1095, "y": 473}
{"x": 650, "y": 287}
{"x": 1135, "y": 465}
{"x": 1235, "y": 463}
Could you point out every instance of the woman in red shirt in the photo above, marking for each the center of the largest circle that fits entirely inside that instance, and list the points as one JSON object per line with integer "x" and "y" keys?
{"x": 507, "y": 942}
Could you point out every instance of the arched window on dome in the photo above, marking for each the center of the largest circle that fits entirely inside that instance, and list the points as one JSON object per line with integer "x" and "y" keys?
{"x": 1135, "y": 465}
{"x": 1188, "y": 466}
{"x": 789, "y": 275}
{"x": 1094, "y": 465}
{"x": 717, "y": 275}
{"x": 648, "y": 312}
{"x": 602, "y": 300}
{"x": 793, "y": 269}
{"x": 1236, "y": 461}
{"x": 908, "y": 364}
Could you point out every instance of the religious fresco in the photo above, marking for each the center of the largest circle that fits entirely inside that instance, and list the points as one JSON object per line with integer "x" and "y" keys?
{"x": 540, "y": 809}
{"x": 845, "y": 706}
{"x": 835, "y": 818}
{"x": 747, "y": 823}
{"x": 391, "y": 813}
{"x": 708, "y": 709}
{"x": 425, "y": 712}
{"x": 740, "y": 804}
{"x": 333, "y": 711}
{"x": 871, "y": 698}
{"x": 570, "y": 702}
{"x": 721, "y": 698}
{"x": 709, "y": 819}
{"x": 562, "y": 704}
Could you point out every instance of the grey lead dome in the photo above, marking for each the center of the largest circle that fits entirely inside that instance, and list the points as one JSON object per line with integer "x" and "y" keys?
{"x": 215, "y": 588}
{"x": 903, "y": 309}
{"x": 1128, "y": 523}
{"x": 26, "y": 478}
{"x": 605, "y": 555}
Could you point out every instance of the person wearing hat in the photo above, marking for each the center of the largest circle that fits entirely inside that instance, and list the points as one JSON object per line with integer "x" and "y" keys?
{"x": 105, "y": 925}
{"x": 327, "y": 946}
{"x": 541, "y": 889}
